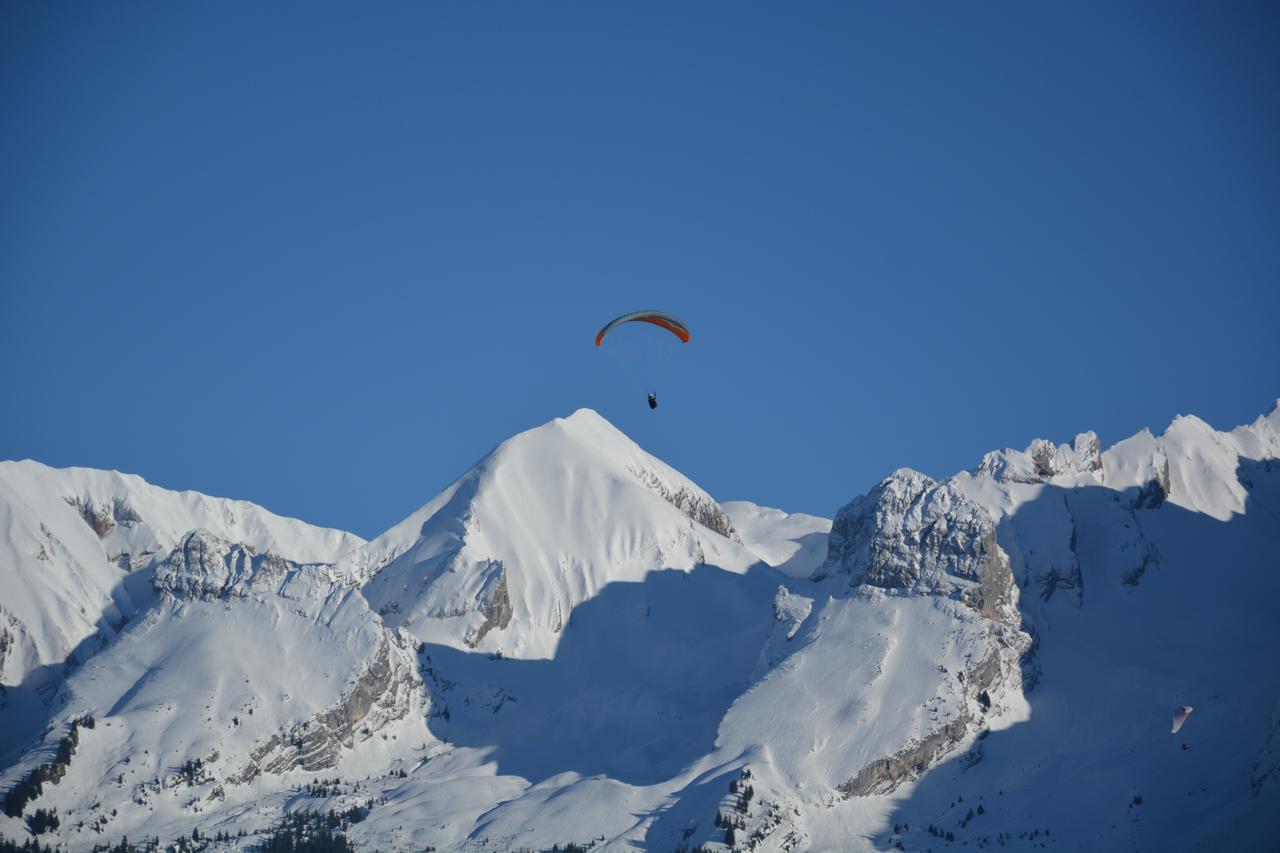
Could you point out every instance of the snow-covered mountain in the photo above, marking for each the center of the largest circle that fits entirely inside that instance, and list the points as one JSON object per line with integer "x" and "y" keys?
{"x": 575, "y": 643}
{"x": 500, "y": 559}
{"x": 76, "y": 550}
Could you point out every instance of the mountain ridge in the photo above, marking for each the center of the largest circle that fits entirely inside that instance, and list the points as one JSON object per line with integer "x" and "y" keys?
{"x": 574, "y": 641}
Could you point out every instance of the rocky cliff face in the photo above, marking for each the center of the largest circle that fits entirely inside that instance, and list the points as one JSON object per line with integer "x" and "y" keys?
{"x": 102, "y": 517}
{"x": 495, "y": 605}
{"x": 207, "y": 566}
{"x": 387, "y": 691}
{"x": 914, "y": 534}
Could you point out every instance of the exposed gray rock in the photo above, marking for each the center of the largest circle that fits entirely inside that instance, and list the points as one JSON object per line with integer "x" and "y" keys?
{"x": 1043, "y": 460}
{"x": 996, "y": 674}
{"x": 384, "y": 693}
{"x": 98, "y": 518}
{"x": 790, "y": 611}
{"x": 102, "y": 518}
{"x": 496, "y": 608}
{"x": 206, "y": 566}
{"x": 884, "y": 775}
{"x": 912, "y": 533}
{"x": 993, "y": 596}
{"x": 123, "y": 514}
{"x": 5, "y": 639}
{"x": 699, "y": 506}
{"x": 985, "y": 676}
{"x": 1156, "y": 491}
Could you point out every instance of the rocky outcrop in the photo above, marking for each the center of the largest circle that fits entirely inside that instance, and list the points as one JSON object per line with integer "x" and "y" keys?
{"x": 884, "y": 775}
{"x": 208, "y": 567}
{"x": 102, "y": 518}
{"x": 1043, "y": 460}
{"x": 983, "y": 685}
{"x": 918, "y": 536}
{"x": 790, "y": 611}
{"x": 993, "y": 597}
{"x": 1156, "y": 490}
{"x": 911, "y": 533}
{"x": 385, "y": 692}
{"x": 6, "y": 639}
{"x": 496, "y": 607}
{"x": 699, "y": 506}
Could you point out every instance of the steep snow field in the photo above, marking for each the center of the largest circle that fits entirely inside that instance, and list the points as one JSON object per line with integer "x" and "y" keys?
{"x": 575, "y": 643}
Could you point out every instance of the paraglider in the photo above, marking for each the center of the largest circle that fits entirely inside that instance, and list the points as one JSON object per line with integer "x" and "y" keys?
{"x": 670, "y": 322}
{"x": 1180, "y": 717}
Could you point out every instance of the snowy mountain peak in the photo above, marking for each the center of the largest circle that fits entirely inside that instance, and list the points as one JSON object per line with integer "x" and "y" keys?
{"x": 536, "y": 527}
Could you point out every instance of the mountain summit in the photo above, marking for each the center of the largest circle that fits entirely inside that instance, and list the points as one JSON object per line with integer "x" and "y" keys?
{"x": 500, "y": 559}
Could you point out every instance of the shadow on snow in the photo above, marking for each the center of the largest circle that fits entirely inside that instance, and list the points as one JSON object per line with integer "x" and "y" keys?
{"x": 1111, "y": 663}
{"x": 642, "y": 677}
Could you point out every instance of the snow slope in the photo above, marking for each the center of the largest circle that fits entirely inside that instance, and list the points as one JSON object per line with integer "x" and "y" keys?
{"x": 76, "y": 550}
{"x": 793, "y": 543}
{"x": 1146, "y": 574}
{"x": 575, "y": 643}
{"x": 244, "y": 670}
{"x": 87, "y": 529}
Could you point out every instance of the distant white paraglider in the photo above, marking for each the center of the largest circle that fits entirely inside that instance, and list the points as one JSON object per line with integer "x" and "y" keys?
{"x": 1180, "y": 717}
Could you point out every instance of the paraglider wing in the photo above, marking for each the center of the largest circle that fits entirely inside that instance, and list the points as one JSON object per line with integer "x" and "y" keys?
{"x": 658, "y": 318}
{"x": 1180, "y": 717}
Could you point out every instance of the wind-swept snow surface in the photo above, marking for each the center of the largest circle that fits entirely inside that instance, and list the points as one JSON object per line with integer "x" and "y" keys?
{"x": 793, "y": 543}
{"x": 575, "y": 643}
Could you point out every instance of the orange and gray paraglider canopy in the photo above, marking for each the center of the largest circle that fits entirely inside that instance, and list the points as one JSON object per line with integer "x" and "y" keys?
{"x": 669, "y": 322}
{"x": 1180, "y": 717}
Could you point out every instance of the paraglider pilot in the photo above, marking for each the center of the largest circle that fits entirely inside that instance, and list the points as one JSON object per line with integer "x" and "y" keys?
{"x": 666, "y": 321}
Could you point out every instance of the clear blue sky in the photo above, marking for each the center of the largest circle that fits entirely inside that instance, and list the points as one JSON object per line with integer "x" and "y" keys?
{"x": 325, "y": 256}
